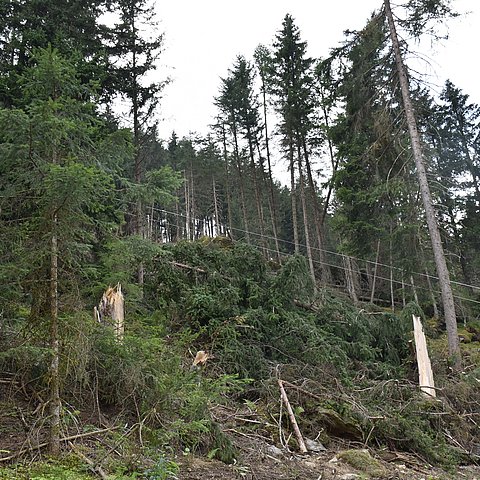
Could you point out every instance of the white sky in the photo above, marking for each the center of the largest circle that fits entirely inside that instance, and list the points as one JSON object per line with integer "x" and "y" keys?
{"x": 203, "y": 37}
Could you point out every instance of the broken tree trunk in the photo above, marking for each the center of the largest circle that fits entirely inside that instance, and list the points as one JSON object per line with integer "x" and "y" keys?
{"x": 425, "y": 373}
{"x": 111, "y": 310}
{"x": 301, "y": 443}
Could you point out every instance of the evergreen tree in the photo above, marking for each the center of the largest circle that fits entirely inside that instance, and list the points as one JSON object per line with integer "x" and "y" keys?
{"x": 442, "y": 268}
{"x": 52, "y": 192}
{"x": 133, "y": 57}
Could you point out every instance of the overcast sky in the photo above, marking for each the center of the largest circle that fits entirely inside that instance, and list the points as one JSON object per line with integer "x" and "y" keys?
{"x": 202, "y": 39}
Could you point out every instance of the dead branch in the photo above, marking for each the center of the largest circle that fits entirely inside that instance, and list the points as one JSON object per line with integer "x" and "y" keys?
{"x": 64, "y": 439}
{"x": 293, "y": 420}
{"x": 95, "y": 468}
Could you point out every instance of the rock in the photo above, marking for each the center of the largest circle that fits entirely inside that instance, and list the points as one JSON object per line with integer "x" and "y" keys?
{"x": 314, "y": 446}
{"x": 274, "y": 451}
{"x": 350, "y": 476}
{"x": 362, "y": 460}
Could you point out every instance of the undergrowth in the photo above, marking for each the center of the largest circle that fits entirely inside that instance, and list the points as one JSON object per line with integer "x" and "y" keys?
{"x": 256, "y": 322}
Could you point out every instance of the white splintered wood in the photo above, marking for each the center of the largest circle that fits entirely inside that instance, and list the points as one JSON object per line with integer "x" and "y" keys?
{"x": 118, "y": 312}
{"x": 112, "y": 306}
{"x": 425, "y": 372}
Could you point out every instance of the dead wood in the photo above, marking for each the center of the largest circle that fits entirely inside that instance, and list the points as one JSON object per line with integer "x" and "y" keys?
{"x": 64, "y": 439}
{"x": 293, "y": 420}
{"x": 95, "y": 468}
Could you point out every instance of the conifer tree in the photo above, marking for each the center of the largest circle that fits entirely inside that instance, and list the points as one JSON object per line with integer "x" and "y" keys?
{"x": 50, "y": 176}
{"x": 437, "y": 247}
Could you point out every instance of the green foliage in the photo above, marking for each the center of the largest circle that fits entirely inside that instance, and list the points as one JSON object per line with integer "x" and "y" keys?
{"x": 63, "y": 469}
{"x": 294, "y": 282}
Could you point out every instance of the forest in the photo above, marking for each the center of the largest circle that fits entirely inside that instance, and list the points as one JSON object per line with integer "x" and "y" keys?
{"x": 169, "y": 309}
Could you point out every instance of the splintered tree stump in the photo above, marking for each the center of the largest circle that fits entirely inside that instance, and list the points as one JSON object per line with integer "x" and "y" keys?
{"x": 111, "y": 310}
{"x": 425, "y": 373}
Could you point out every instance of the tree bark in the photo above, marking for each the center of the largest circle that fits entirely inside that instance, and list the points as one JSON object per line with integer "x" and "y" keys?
{"x": 272, "y": 203}
{"x": 55, "y": 404}
{"x": 293, "y": 197}
{"x": 305, "y": 219}
{"x": 240, "y": 180}
{"x": 437, "y": 247}
{"x": 227, "y": 182}
{"x": 326, "y": 275}
{"x": 258, "y": 197}
{"x": 374, "y": 281}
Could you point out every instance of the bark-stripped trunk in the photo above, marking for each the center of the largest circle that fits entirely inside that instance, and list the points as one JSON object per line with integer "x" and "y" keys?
{"x": 437, "y": 247}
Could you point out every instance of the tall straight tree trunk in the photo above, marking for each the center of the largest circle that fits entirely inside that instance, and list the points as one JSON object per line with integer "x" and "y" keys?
{"x": 333, "y": 160}
{"x": 55, "y": 402}
{"x": 326, "y": 274}
{"x": 350, "y": 278}
{"x": 293, "y": 196}
{"x": 268, "y": 182}
{"x": 216, "y": 228}
{"x": 437, "y": 247}
{"x": 374, "y": 281}
{"x": 258, "y": 199}
{"x": 240, "y": 180}
{"x": 55, "y": 405}
{"x": 186, "y": 186}
{"x": 272, "y": 203}
{"x": 227, "y": 182}
{"x": 305, "y": 218}
{"x": 139, "y": 228}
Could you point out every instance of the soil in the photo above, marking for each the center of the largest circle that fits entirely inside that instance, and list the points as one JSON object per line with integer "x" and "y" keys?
{"x": 259, "y": 457}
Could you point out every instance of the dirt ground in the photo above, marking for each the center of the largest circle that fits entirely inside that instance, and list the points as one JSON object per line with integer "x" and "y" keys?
{"x": 259, "y": 457}
{"x": 255, "y": 463}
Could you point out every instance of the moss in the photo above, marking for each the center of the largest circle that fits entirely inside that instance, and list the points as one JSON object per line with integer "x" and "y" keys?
{"x": 362, "y": 461}
{"x": 67, "y": 468}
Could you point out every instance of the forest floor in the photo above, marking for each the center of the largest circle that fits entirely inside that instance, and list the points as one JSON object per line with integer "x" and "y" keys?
{"x": 257, "y": 457}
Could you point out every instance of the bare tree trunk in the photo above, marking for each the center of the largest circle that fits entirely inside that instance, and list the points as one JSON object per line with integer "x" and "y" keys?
{"x": 267, "y": 180}
{"x": 432, "y": 294}
{"x": 293, "y": 197}
{"x": 305, "y": 220}
{"x": 227, "y": 182}
{"x": 272, "y": 203}
{"x": 216, "y": 228}
{"x": 334, "y": 161}
{"x": 374, "y": 281}
{"x": 326, "y": 274}
{"x": 55, "y": 404}
{"x": 349, "y": 277}
{"x": 258, "y": 199}
{"x": 392, "y": 297}
{"x": 187, "y": 206}
{"x": 415, "y": 295}
{"x": 437, "y": 247}
{"x": 241, "y": 183}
